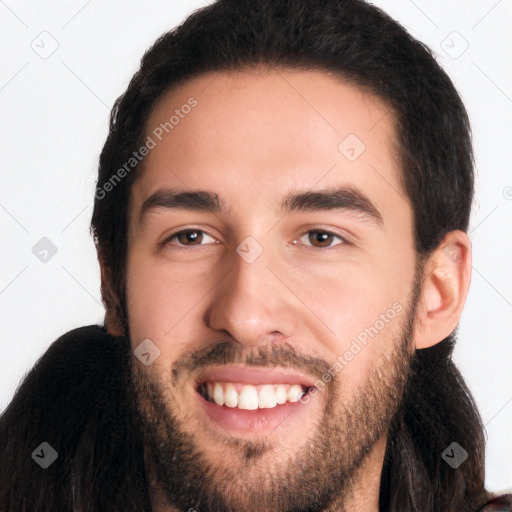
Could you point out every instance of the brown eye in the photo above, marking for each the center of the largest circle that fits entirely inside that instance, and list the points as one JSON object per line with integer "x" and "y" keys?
{"x": 321, "y": 239}
{"x": 189, "y": 237}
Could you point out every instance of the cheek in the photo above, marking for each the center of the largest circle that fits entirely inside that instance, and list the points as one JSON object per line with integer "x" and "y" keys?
{"x": 362, "y": 314}
{"x": 363, "y": 350}
{"x": 163, "y": 303}
{"x": 350, "y": 298}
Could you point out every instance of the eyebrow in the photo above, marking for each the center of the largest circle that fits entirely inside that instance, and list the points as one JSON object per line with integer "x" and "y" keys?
{"x": 339, "y": 198}
{"x": 170, "y": 199}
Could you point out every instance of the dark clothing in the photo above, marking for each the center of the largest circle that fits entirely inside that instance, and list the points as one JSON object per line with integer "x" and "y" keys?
{"x": 500, "y": 504}
{"x": 68, "y": 439}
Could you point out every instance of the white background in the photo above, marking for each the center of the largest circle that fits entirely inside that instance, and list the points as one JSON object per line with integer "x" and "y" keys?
{"x": 53, "y": 123}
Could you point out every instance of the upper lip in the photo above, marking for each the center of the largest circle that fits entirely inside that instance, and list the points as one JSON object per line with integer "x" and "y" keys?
{"x": 254, "y": 376}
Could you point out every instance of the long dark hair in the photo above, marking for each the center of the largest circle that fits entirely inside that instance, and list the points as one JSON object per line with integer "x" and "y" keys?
{"x": 362, "y": 45}
{"x": 437, "y": 410}
{"x": 77, "y": 399}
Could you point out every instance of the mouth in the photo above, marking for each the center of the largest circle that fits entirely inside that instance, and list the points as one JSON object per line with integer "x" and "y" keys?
{"x": 252, "y": 400}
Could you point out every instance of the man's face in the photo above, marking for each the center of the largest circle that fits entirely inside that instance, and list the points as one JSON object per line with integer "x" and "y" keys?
{"x": 275, "y": 290}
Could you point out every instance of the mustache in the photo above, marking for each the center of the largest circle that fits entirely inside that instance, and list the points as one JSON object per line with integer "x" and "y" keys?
{"x": 282, "y": 355}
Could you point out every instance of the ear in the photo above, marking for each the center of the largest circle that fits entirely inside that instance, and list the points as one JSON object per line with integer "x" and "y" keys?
{"x": 447, "y": 275}
{"x": 112, "y": 322}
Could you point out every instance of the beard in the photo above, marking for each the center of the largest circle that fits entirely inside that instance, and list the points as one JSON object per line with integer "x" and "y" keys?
{"x": 247, "y": 477}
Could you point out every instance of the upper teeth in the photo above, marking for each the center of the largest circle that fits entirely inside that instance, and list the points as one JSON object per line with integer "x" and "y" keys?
{"x": 247, "y": 396}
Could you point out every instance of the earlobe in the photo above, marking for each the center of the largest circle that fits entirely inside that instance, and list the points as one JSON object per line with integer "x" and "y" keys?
{"x": 112, "y": 324}
{"x": 444, "y": 291}
{"x": 112, "y": 321}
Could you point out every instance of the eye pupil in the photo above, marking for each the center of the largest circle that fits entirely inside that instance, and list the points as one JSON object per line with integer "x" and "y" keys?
{"x": 322, "y": 237}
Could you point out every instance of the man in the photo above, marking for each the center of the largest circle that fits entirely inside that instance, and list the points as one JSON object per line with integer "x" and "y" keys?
{"x": 281, "y": 222}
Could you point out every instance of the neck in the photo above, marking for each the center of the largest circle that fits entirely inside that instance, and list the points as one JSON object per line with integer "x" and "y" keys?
{"x": 363, "y": 496}
{"x": 364, "y": 492}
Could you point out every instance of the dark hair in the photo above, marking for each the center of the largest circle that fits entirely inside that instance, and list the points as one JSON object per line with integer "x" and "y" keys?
{"x": 365, "y": 47}
{"x": 77, "y": 399}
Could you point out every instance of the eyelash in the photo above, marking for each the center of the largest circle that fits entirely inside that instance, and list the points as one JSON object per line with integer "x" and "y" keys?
{"x": 168, "y": 240}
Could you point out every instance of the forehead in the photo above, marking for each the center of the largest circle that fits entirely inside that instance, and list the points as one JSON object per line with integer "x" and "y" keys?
{"x": 255, "y": 135}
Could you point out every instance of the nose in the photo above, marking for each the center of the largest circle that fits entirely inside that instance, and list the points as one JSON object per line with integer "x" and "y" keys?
{"x": 251, "y": 303}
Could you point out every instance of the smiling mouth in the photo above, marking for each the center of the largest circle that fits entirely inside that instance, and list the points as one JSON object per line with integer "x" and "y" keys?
{"x": 238, "y": 395}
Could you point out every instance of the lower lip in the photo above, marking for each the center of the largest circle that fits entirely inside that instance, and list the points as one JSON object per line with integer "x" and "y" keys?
{"x": 253, "y": 421}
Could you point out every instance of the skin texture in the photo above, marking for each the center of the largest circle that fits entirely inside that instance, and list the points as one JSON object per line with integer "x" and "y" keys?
{"x": 254, "y": 137}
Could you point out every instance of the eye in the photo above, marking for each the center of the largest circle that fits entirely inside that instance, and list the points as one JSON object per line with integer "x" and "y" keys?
{"x": 321, "y": 239}
{"x": 187, "y": 238}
